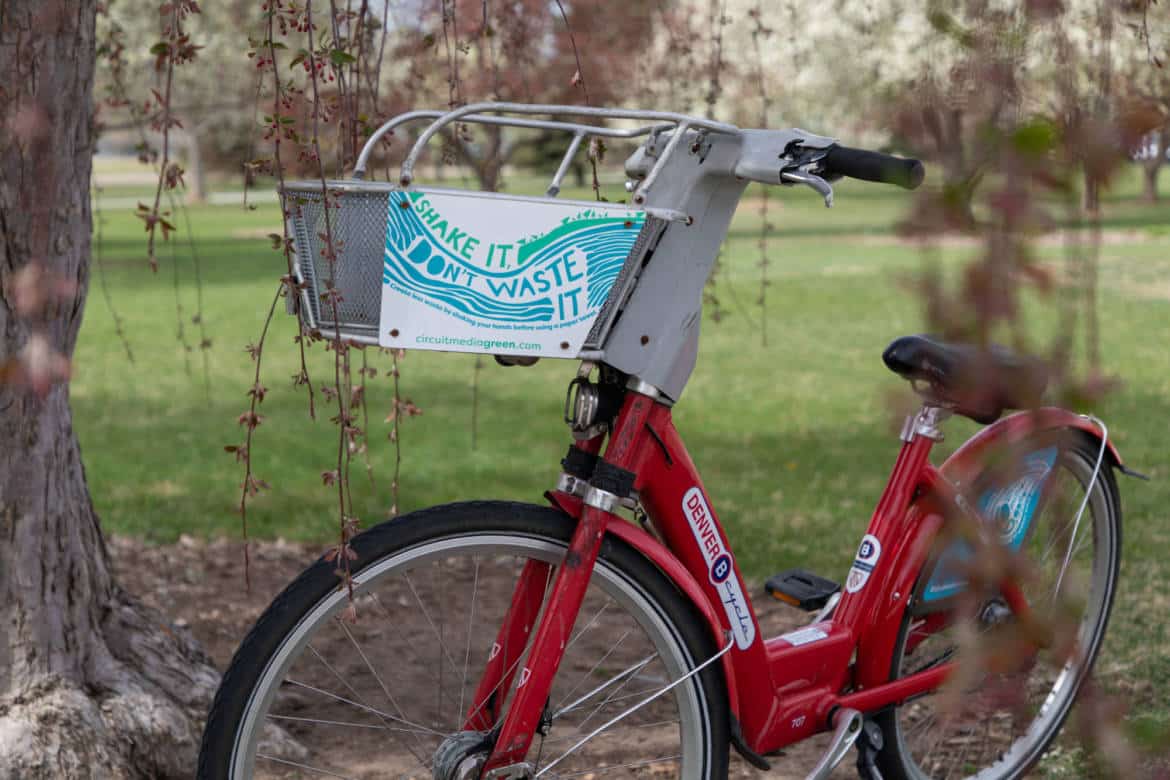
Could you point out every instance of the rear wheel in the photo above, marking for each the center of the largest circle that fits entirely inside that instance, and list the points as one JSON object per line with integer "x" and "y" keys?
{"x": 1007, "y": 705}
{"x": 310, "y": 694}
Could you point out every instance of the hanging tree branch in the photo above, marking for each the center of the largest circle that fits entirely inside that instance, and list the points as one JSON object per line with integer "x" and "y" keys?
{"x": 278, "y": 128}
{"x": 596, "y": 152}
{"x": 717, "y": 19}
{"x": 342, "y": 554}
{"x": 198, "y": 317}
{"x": 98, "y": 261}
{"x": 759, "y": 31}
{"x": 175, "y": 49}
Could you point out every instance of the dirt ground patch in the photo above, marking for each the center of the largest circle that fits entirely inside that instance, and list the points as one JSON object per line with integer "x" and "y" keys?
{"x": 200, "y": 586}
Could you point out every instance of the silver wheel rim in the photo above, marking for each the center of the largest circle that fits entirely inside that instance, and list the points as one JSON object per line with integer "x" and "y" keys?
{"x": 693, "y": 731}
{"x": 1028, "y": 746}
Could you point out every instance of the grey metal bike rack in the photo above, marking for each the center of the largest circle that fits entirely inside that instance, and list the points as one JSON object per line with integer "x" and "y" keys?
{"x": 481, "y": 113}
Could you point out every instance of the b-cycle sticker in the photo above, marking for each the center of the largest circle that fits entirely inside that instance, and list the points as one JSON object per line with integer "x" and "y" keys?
{"x": 867, "y": 556}
{"x": 720, "y": 568}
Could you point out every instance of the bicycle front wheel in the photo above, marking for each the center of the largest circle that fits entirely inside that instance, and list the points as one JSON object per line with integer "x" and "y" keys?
{"x": 1011, "y": 701}
{"x": 311, "y": 693}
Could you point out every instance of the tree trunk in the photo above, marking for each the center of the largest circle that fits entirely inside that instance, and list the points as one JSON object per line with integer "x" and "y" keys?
{"x": 92, "y": 684}
{"x": 1150, "y": 179}
{"x": 196, "y": 178}
{"x": 491, "y": 163}
{"x": 487, "y": 160}
{"x": 958, "y": 182}
{"x": 1153, "y": 166}
{"x": 1091, "y": 197}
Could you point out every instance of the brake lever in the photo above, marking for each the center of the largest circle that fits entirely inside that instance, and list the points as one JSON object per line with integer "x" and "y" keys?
{"x": 810, "y": 180}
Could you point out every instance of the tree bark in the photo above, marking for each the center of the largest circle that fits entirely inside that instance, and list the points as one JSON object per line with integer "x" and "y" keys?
{"x": 1091, "y": 198}
{"x": 1152, "y": 166}
{"x": 1150, "y": 182}
{"x": 489, "y": 159}
{"x": 196, "y": 177}
{"x": 92, "y": 684}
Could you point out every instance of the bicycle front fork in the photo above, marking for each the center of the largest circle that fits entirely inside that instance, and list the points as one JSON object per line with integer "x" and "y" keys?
{"x": 534, "y": 681}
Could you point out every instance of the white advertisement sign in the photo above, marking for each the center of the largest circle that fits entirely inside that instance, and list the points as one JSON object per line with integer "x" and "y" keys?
{"x": 469, "y": 272}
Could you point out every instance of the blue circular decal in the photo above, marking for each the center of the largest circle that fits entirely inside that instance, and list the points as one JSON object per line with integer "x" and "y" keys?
{"x": 721, "y": 568}
{"x": 866, "y": 550}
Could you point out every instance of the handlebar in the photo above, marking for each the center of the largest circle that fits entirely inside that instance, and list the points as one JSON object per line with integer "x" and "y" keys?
{"x": 872, "y": 166}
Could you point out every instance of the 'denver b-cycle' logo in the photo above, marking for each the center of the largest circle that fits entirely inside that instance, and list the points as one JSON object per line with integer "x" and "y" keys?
{"x": 454, "y": 253}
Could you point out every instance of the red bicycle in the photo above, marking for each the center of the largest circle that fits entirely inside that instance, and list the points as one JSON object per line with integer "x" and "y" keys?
{"x": 612, "y": 632}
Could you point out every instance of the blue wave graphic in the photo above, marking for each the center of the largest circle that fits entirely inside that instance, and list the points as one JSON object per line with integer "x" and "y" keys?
{"x": 466, "y": 300}
{"x": 418, "y": 262}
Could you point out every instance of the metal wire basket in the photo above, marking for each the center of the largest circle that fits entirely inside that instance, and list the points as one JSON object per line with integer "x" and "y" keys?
{"x": 357, "y": 223}
{"x": 433, "y": 303}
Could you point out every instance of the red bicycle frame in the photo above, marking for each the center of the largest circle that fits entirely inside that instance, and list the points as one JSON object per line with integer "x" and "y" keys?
{"x": 781, "y": 689}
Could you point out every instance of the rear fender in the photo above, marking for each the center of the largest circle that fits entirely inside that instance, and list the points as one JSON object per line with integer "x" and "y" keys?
{"x": 1019, "y": 500}
{"x": 966, "y": 461}
{"x": 665, "y": 560}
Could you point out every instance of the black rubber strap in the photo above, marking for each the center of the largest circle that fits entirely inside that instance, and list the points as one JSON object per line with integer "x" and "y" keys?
{"x": 579, "y": 463}
{"x": 612, "y": 479}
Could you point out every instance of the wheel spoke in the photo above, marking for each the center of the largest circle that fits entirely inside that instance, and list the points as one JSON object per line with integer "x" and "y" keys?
{"x": 385, "y": 717}
{"x": 623, "y": 715}
{"x": 382, "y": 685}
{"x": 625, "y": 729}
{"x": 616, "y": 678}
{"x": 409, "y": 646}
{"x": 467, "y": 650}
{"x": 630, "y": 695}
{"x": 346, "y": 723}
{"x": 607, "y": 700}
{"x": 438, "y": 634}
{"x": 382, "y": 715}
{"x": 628, "y": 765}
{"x": 590, "y": 624}
{"x": 298, "y": 765}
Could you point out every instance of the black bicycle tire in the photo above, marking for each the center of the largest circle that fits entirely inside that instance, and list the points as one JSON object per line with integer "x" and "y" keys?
{"x": 320, "y": 580}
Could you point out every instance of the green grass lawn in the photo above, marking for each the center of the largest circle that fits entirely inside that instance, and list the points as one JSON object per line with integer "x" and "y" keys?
{"x": 794, "y": 437}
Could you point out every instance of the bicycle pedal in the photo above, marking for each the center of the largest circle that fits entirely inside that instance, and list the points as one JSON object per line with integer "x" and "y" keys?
{"x": 801, "y": 588}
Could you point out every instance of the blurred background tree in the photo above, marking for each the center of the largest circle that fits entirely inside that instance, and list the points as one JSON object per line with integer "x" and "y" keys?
{"x": 214, "y": 102}
{"x": 1026, "y": 109}
{"x": 848, "y": 69}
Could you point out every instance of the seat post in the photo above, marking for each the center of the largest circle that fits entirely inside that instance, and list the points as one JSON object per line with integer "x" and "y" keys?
{"x": 925, "y": 423}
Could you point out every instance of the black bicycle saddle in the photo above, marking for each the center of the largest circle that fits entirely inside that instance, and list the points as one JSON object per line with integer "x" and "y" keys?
{"x": 976, "y": 382}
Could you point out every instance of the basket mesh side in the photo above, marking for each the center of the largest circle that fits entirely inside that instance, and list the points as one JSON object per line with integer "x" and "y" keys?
{"x": 357, "y": 221}
{"x": 647, "y": 239}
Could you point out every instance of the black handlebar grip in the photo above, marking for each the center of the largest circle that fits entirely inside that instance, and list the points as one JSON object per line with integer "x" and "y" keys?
{"x": 873, "y": 166}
